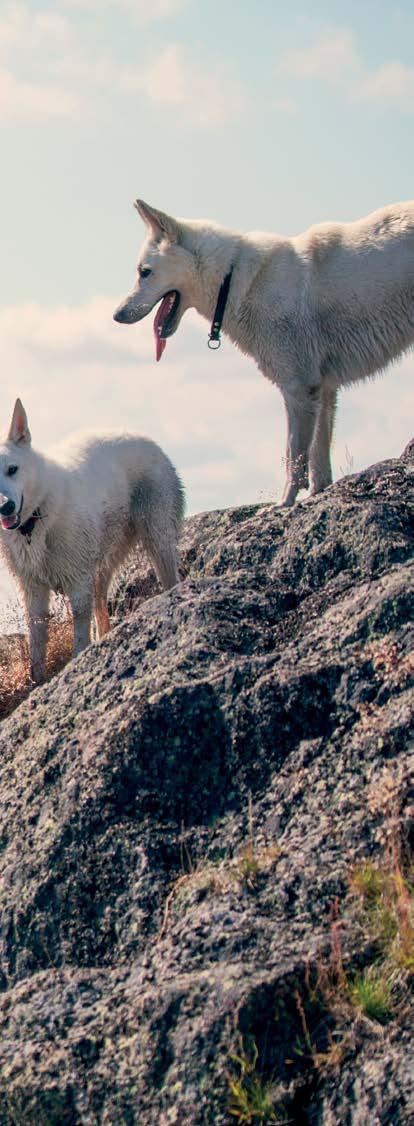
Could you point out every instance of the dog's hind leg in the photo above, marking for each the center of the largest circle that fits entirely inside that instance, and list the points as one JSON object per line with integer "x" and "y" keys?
{"x": 81, "y": 598}
{"x": 37, "y": 607}
{"x": 101, "y": 606}
{"x": 157, "y": 514}
{"x": 319, "y": 457}
{"x": 302, "y": 407}
{"x": 164, "y": 560}
{"x": 162, "y": 552}
{"x": 158, "y": 535}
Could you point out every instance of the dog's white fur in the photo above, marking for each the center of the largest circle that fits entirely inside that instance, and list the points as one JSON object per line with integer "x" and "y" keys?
{"x": 103, "y": 497}
{"x": 318, "y": 311}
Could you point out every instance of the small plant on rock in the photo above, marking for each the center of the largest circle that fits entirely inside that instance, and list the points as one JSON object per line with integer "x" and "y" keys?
{"x": 370, "y": 992}
{"x": 388, "y": 908}
{"x": 251, "y": 1099}
{"x": 248, "y": 868}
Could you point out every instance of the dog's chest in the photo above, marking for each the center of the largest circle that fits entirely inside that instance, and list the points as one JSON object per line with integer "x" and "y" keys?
{"x": 36, "y": 563}
{"x": 279, "y": 339}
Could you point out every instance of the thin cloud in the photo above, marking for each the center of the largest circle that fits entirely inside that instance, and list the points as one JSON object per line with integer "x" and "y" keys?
{"x": 205, "y": 97}
{"x": 140, "y": 10}
{"x": 284, "y": 104}
{"x": 48, "y": 71}
{"x": 25, "y": 30}
{"x": 30, "y": 41}
{"x": 31, "y": 101}
{"x": 68, "y": 331}
{"x": 392, "y": 83}
{"x": 334, "y": 58}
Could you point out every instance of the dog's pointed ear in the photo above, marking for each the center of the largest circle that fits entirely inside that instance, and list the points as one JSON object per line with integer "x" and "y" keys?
{"x": 19, "y": 432}
{"x": 160, "y": 224}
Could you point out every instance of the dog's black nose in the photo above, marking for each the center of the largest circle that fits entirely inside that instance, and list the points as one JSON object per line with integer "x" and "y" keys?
{"x": 120, "y": 315}
{"x": 8, "y": 508}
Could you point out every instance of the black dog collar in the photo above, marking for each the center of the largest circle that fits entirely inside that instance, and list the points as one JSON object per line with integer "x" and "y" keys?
{"x": 214, "y": 337}
{"x": 26, "y": 529}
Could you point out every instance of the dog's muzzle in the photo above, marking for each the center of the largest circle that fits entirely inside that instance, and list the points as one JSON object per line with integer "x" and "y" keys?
{"x": 126, "y": 314}
{"x": 122, "y": 315}
{"x": 7, "y": 508}
{"x": 9, "y": 518}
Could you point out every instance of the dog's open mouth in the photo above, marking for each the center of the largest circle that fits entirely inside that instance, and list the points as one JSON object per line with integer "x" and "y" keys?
{"x": 11, "y": 523}
{"x": 164, "y": 321}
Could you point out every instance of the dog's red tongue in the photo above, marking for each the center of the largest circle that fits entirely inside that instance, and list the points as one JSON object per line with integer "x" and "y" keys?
{"x": 8, "y": 521}
{"x": 161, "y": 313}
{"x": 159, "y": 347}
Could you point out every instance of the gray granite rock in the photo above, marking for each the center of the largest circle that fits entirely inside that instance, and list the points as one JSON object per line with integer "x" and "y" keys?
{"x": 263, "y": 708}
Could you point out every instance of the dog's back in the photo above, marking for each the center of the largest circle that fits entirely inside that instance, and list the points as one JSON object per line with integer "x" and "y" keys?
{"x": 338, "y": 300}
{"x": 362, "y": 257}
{"x": 116, "y": 486}
{"x": 363, "y": 292}
{"x": 103, "y": 473}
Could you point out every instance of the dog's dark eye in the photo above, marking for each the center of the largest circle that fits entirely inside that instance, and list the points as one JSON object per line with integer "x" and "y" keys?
{"x": 144, "y": 271}
{"x": 11, "y": 470}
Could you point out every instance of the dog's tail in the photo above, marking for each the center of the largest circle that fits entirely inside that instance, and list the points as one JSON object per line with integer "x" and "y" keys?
{"x": 179, "y": 498}
{"x": 158, "y": 506}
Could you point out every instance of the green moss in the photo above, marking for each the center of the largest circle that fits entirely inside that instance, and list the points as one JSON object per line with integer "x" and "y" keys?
{"x": 369, "y": 881}
{"x": 371, "y": 993}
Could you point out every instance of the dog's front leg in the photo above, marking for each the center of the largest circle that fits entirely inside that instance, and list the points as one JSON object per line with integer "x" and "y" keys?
{"x": 37, "y": 609}
{"x": 302, "y": 408}
{"x": 319, "y": 457}
{"x": 80, "y": 598}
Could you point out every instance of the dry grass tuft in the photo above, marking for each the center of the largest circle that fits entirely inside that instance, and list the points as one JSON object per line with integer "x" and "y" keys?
{"x": 15, "y": 683}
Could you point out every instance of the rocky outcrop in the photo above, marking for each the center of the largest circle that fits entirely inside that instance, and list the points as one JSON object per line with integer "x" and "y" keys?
{"x": 182, "y": 809}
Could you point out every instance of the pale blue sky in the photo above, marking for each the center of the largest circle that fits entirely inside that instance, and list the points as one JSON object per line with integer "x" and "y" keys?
{"x": 261, "y": 115}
